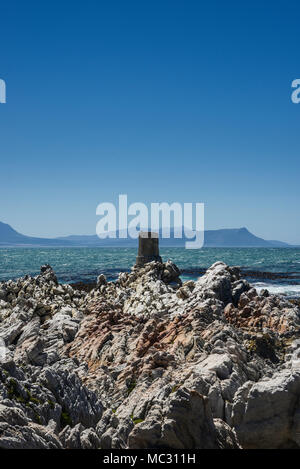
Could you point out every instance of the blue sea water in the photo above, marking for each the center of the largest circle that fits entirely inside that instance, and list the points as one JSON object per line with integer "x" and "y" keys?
{"x": 85, "y": 264}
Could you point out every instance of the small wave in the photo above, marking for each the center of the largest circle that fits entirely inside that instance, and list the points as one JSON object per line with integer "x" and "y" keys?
{"x": 290, "y": 291}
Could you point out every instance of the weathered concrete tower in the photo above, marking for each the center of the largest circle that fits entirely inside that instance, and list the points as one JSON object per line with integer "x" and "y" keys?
{"x": 148, "y": 248}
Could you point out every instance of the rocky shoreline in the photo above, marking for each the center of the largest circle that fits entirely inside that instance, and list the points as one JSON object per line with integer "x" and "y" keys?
{"x": 148, "y": 362}
{"x": 293, "y": 277}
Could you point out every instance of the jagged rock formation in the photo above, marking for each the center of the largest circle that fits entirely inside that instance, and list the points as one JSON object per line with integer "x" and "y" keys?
{"x": 147, "y": 362}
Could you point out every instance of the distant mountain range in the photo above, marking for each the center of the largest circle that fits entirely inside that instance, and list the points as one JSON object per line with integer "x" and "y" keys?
{"x": 237, "y": 237}
{"x": 10, "y": 237}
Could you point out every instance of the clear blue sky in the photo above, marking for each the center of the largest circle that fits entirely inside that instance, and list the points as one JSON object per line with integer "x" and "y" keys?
{"x": 183, "y": 101}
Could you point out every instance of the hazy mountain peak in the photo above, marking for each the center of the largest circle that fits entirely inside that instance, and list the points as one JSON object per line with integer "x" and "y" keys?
{"x": 237, "y": 237}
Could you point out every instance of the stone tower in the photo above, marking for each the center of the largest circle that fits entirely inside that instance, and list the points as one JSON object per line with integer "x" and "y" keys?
{"x": 148, "y": 248}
